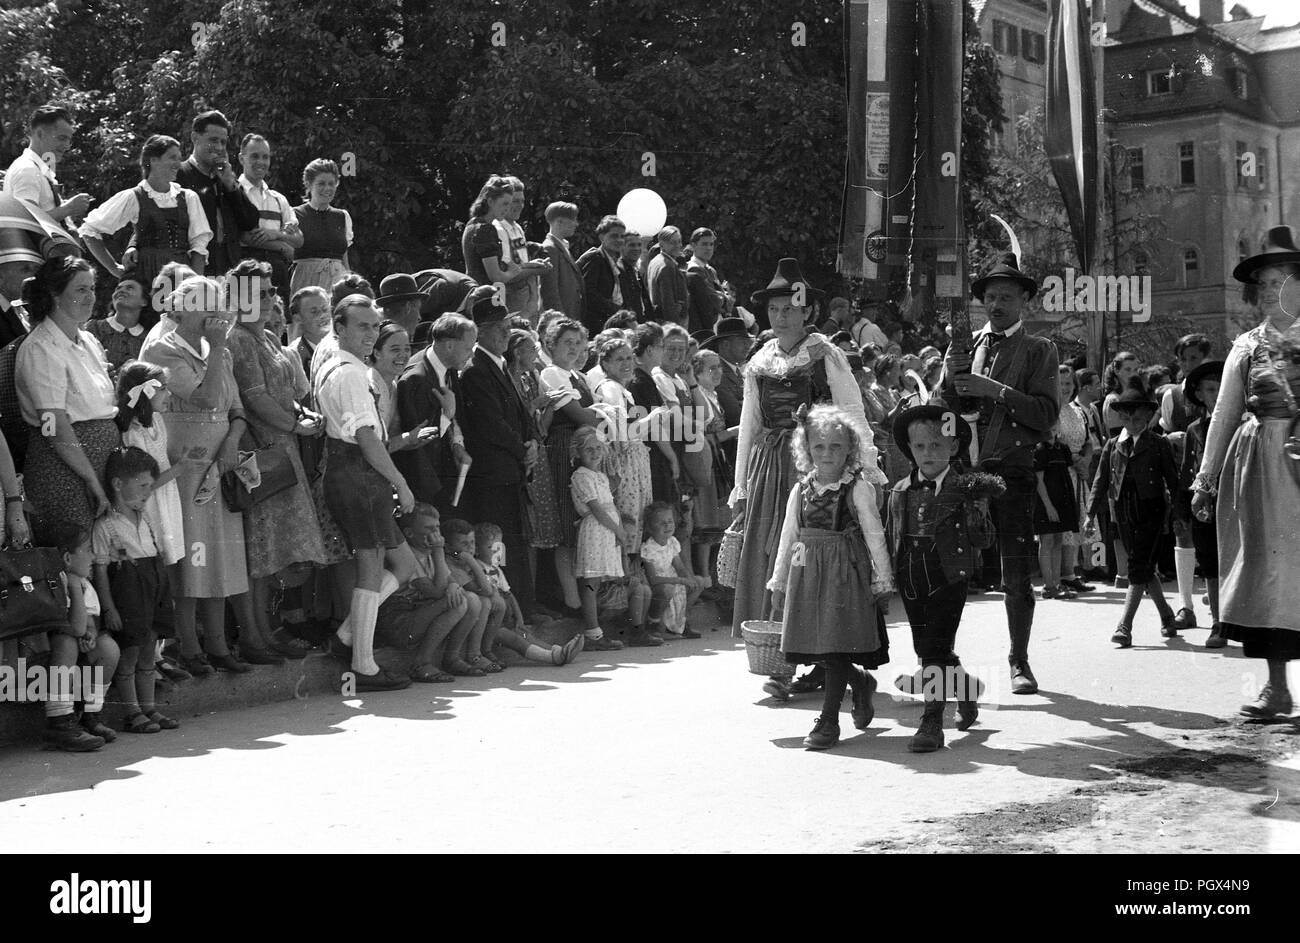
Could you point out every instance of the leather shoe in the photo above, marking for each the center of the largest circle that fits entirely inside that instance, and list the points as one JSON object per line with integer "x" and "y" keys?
{"x": 259, "y": 656}
{"x": 229, "y": 663}
{"x": 864, "y": 711}
{"x": 825, "y": 734}
{"x": 1123, "y": 636}
{"x": 1186, "y": 619}
{"x": 968, "y": 712}
{"x": 603, "y": 644}
{"x": 1268, "y": 705}
{"x": 1216, "y": 639}
{"x": 381, "y": 680}
{"x": 929, "y": 736}
{"x": 1022, "y": 679}
{"x": 638, "y": 637}
{"x": 1078, "y": 585}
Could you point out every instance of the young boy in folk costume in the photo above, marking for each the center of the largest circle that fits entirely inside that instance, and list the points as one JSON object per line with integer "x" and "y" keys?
{"x": 1136, "y": 475}
{"x": 1200, "y": 391}
{"x": 937, "y": 523}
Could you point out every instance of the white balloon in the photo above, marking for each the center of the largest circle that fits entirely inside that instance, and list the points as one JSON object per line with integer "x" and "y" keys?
{"x": 643, "y": 211}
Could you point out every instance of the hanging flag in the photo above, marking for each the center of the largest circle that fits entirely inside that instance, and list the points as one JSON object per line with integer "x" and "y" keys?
{"x": 875, "y": 211}
{"x": 1071, "y": 132}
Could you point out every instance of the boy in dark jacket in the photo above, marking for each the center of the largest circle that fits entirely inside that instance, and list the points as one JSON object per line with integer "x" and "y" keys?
{"x": 937, "y": 522}
{"x": 1135, "y": 480}
{"x": 1200, "y": 391}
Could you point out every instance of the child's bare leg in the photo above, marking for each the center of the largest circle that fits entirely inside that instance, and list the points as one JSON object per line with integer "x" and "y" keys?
{"x": 1157, "y": 593}
{"x": 638, "y": 603}
{"x": 590, "y": 618}
{"x": 457, "y": 639}
{"x": 564, "y": 572}
{"x": 474, "y": 643}
{"x": 660, "y": 594}
{"x": 144, "y": 674}
{"x": 125, "y": 679}
{"x": 496, "y": 616}
{"x": 439, "y": 629}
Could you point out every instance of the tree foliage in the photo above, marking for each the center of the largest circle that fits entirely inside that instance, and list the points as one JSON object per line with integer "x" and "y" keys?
{"x": 746, "y": 126}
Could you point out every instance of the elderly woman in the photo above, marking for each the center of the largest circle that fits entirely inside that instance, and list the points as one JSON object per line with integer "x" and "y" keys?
{"x": 205, "y": 420}
{"x": 322, "y": 259}
{"x": 65, "y": 395}
{"x": 566, "y": 344}
{"x": 168, "y": 220}
{"x": 282, "y": 529}
{"x": 796, "y": 367}
{"x": 1252, "y": 465}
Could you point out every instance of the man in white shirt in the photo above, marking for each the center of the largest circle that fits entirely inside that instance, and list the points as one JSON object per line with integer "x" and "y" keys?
{"x": 277, "y": 234}
{"x": 359, "y": 472}
{"x": 865, "y": 330}
{"x": 32, "y": 176}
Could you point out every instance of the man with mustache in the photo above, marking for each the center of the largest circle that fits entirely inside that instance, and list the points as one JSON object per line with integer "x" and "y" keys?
{"x": 1010, "y": 380}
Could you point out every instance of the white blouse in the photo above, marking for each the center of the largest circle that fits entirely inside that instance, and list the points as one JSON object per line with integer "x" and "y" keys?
{"x": 863, "y": 497}
{"x": 772, "y": 361}
{"x": 123, "y": 207}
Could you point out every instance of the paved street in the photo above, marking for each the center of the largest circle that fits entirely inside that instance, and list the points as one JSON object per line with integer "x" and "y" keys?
{"x": 677, "y": 750}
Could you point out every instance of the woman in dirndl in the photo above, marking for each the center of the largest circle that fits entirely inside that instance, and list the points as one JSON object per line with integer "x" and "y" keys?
{"x": 521, "y": 365}
{"x": 169, "y": 222}
{"x": 797, "y": 367}
{"x": 1250, "y": 475}
{"x": 322, "y": 259}
{"x": 66, "y": 396}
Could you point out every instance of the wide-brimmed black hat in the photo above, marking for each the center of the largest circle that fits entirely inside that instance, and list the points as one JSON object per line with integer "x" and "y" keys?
{"x": 1007, "y": 266}
{"x": 396, "y": 288}
{"x": 727, "y": 327}
{"x": 1133, "y": 399}
{"x": 1208, "y": 370}
{"x": 788, "y": 275}
{"x": 480, "y": 305}
{"x": 1279, "y": 249}
{"x": 935, "y": 412}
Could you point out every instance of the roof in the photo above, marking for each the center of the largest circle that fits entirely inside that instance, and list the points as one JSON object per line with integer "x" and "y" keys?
{"x": 1251, "y": 34}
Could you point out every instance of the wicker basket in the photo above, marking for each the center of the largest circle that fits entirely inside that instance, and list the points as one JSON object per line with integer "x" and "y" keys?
{"x": 763, "y": 646}
{"x": 729, "y": 554}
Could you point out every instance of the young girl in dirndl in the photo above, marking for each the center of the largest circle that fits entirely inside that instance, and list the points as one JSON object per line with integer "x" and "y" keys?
{"x": 832, "y": 575}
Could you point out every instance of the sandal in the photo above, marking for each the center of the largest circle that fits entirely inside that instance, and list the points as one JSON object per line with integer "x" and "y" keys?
{"x": 463, "y": 669}
{"x": 487, "y": 665}
{"x": 162, "y": 720}
{"x": 430, "y": 674}
{"x": 139, "y": 722}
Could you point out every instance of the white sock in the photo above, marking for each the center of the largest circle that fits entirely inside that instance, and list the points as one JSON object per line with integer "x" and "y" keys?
{"x": 95, "y": 696}
{"x": 1185, "y": 567}
{"x": 365, "y": 610}
{"x": 387, "y": 586}
{"x": 595, "y": 634}
{"x": 537, "y": 653}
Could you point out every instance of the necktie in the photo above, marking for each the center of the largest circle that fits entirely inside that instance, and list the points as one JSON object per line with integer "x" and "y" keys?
{"x": 219, "y": 237}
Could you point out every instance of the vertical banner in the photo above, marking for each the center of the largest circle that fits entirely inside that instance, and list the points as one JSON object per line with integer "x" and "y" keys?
{"x": 938, "y": 259}
{"x": 1071, "y": 133}
{"x": 879, "y": 158}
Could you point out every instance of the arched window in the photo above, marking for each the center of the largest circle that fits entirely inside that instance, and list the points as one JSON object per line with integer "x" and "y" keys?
{"x": 1243, "y": 249}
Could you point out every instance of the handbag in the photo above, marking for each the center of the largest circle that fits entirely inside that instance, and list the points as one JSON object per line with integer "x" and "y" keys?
{"x": 276, "y": 471}
{"x": 32, "y": 595}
